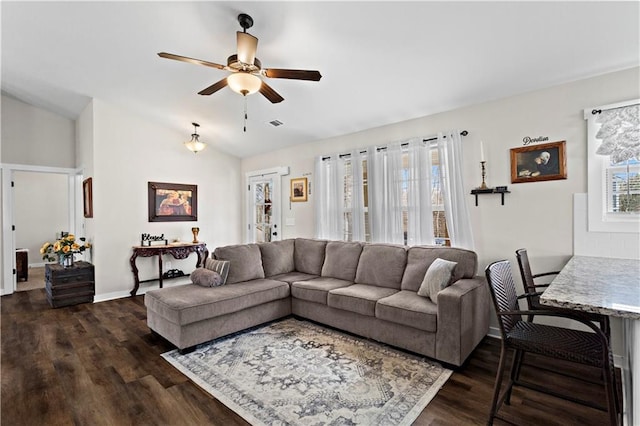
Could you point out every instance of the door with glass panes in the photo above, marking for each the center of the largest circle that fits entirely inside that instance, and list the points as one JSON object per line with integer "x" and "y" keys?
{"x": 263, "y": 208}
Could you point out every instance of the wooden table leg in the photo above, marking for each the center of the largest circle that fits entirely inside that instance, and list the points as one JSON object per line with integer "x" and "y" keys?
{"x": 134, "y": 269}
{"x": 160, "y": 269}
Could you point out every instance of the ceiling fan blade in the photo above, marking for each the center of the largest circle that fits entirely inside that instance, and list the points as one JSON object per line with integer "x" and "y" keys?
{"x": 247, "y": 47}
{"x": 293, "y": 74}
{"x": 214, "y": 87}
{"x": 270, "y": 94}
{"x": 190, "y": 60}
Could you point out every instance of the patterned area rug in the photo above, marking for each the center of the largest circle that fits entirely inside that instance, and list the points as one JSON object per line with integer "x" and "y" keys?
{"x": 294, "y": 372}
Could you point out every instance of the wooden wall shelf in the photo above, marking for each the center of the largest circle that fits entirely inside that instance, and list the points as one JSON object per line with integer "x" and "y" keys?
{"x": 477, "y": 192}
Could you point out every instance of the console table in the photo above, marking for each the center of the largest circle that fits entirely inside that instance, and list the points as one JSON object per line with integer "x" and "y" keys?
{"x": 177, "y": 250}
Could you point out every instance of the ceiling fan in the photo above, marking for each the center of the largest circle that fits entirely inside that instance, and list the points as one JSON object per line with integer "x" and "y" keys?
{"x": 246, "y": 69}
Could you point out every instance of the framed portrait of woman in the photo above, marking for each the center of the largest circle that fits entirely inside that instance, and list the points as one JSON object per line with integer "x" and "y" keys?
{"x": 539, "y": 162}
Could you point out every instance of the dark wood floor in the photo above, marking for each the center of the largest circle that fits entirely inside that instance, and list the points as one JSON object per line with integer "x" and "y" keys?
{"x": 98, "y": 364}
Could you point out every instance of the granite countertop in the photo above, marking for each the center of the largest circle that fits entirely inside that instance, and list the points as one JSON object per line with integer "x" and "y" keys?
{"x": 597, "y": 284}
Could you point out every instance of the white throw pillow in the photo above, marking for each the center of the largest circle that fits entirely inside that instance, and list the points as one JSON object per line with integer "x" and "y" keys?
{"x": 438, "y": 277}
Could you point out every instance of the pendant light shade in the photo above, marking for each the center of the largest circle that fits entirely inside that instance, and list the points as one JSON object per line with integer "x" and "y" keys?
{"x": 194, "y": 145}
{"x": 244, "y": 83}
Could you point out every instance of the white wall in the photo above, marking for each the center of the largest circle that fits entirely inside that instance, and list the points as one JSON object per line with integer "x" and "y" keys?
{"x": 122, "y": 152}
{"x": 536, "y": 215}
{"x": 128, "y": 152}
{"x": 42, "y": 200}
{"x": 31, "y": 137}
{"x": 34, "y": 136}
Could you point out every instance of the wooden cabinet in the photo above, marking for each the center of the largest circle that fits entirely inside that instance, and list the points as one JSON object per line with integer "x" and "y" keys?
{"x": 69, "y": 286}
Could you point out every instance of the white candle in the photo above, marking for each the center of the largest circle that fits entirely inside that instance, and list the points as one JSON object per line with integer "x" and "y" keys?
{"x": 481, "y": 151}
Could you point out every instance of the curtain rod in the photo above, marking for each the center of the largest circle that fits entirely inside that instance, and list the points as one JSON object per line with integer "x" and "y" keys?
{"x": 435, "y": 138}
{"x": 598, "y": 111}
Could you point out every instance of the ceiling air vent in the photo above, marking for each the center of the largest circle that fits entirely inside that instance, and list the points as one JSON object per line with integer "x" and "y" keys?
{"x": 276, "y": 123}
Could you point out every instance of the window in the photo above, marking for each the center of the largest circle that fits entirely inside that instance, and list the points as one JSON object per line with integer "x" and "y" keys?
{"x": 408, "y": 193}
{"x": 622, "y": 182}
{"x": 441, "y": 235}
{"x": 614, "y": 167}
{"x": 348, "y": 201}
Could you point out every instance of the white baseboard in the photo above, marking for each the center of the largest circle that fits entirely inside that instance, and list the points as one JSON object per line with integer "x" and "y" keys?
{"x": 141, "y": 290}
{"x": 494, "y": 332}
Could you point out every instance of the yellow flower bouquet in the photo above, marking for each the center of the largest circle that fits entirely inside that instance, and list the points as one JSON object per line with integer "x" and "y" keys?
{"x": 65, "y": 246}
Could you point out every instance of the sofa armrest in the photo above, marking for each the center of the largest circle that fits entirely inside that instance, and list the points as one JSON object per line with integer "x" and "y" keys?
{"x": 463, "y": 319}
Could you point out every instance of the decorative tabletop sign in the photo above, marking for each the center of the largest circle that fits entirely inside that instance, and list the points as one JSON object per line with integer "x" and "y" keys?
{"x": 148, "y": 238}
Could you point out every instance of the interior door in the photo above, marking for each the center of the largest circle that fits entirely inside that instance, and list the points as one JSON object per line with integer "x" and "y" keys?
{"x": 263, "y": 208}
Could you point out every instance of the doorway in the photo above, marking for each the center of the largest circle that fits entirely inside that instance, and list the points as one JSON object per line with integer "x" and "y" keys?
{"x": 263, "y": 205}
{"x": 38, "y": 204}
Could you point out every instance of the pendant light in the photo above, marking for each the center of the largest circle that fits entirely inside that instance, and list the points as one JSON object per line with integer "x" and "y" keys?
{"x": 194, "y": 145}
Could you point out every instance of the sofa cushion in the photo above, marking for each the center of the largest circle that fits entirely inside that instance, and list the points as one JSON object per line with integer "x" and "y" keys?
{"x": 277, "y": 257}
{"x": 206, "y": 278}
{"x": 219, "y": 266}
{"x": 186, "y": 304}
{"x": 381, "y": 265}
{"x": 407, "y": 308}
{"x": 316, "y": 290}
{"x": 358, "y": 298}
{"x": 438, "y": 277}
{"x": 292, "y": 277}
{"x": 420, "y": 257}
{"x": 309, "y": 255}
{"x": 245, "y": 262}
{"x": 341, "y": 260}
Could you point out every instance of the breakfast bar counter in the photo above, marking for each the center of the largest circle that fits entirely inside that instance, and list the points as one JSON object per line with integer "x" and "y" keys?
{"x": 609, "y": 287}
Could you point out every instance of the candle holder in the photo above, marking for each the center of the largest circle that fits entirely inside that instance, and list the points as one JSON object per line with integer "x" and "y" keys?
{"x": 195, "y": 231}
{"x": 484, "y": 184}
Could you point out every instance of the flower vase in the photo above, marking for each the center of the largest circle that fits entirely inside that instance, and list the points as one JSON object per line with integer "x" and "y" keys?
{"x": 195, "y": 231}
{"x": 66, "y": 260}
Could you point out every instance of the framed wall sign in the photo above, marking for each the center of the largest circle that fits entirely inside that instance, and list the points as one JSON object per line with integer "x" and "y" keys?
{"x": 87, "y": 197}
{"x": 172, "y": 202}
{"x": 535, "y": 163}
{"x": 299, "y": 189}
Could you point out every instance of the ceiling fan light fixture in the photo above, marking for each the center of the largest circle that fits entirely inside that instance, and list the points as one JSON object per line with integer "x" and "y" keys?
{"x": 244, "y": 83}
{"x": 194, "y": 145}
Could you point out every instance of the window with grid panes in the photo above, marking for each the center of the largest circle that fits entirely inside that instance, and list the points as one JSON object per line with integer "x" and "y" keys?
{"x": 441, "y": 235}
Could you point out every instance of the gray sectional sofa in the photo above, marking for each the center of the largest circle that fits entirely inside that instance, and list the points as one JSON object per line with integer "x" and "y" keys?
{"x": 366, "y": 289}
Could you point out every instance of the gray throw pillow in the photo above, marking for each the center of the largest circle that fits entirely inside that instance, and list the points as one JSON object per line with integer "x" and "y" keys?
{"x": 206, "y": 278}
{"x": 219, "y": 266}
{"x": 437, "y": 278}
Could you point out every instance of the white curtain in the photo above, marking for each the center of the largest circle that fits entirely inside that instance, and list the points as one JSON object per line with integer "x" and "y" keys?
{"x": 384, "y": 174}
{"x": 419, "y": 208}
{"x": 329, "y": 199}
{"x": 332, "y": 202}
{"x": 455, "y": 197}
{"x": 620, "y": 133}
{"x": 357, "y": 197}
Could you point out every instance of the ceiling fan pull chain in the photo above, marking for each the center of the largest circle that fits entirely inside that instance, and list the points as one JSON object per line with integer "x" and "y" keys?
{"x": 245, "y": 113}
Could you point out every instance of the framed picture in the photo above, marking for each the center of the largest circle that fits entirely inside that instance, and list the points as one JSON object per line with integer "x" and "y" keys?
{"x": 299, "y": 189}
{"x": 539, "y": 162}
{"x": 172, "y": 202}
{"x": 87, "y": 197}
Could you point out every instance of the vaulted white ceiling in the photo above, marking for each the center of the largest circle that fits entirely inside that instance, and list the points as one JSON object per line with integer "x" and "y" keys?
{"x": 381, "y": 62}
